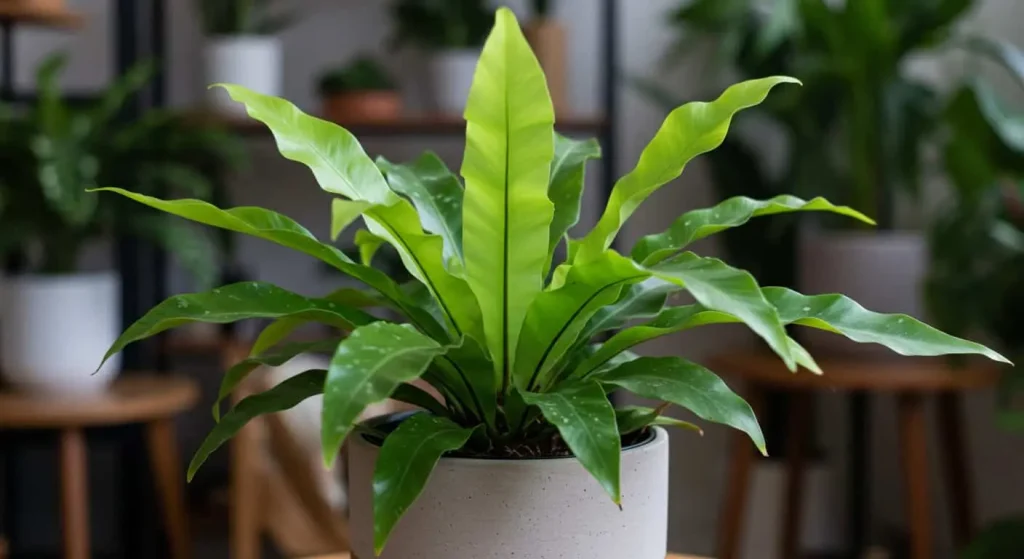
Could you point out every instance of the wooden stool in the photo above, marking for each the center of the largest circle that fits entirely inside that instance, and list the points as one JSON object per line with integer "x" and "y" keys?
{"x": 912, "y": 380}
{"x": 131, "y": 399}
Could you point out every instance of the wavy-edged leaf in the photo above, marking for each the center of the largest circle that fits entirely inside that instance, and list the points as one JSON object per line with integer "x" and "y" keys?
{"x": 641, "y": 300}
{"x": 284, "y": 396}
{"x": 422, "y": 255}
{"x": 437, "y": 194}
{"x": 687, "y": 132}
{"x": 406, "y": 459}
{"x": 282, "y": 230}
{"x": 235, "y": 302}
{"x": 734, "y": 212}
{"x": 416, "y": 396}
{"x": 718, "y": 286}
{"x": 333, "y": 154}
{"x": 274, "y": 333}
{"x": 507, "y": 215}
{"x": 586, "y": 421}
{"x": 841, "y": 315}
{"x": 634, "y": 418}
{"x": 239, "y": 371}
{"x": 687, "y": 385}
{"x": 555, "y": 319}
{"x": 368, "y": 245}
{"x": 366, "y": 368}
{"x": 565, "y": 189}
{"x": 343, "y": 213}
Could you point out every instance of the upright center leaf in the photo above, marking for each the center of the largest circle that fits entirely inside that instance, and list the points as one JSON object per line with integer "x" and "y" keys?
{"x": 507, "y": 214}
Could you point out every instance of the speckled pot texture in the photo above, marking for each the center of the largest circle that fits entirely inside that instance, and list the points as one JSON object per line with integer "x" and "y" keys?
{"x": 529, "y": 509}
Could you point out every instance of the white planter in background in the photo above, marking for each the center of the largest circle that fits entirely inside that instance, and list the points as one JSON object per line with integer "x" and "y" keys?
{"x": 54, "y": 331}
{"x": 253, "y": 61}
{"x": 453, "y": 72}
{"x": 537, "y": 509}
{"x": 882, "y": 270}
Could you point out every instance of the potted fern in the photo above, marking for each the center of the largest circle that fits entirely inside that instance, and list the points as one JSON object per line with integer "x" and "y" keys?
{"x": 498, "y": 465}
{"x": 359, "y": 91}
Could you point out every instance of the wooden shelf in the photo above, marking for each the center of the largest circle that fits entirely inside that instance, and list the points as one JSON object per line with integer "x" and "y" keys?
{"x": 413, "y": 125}
{"x": 24, "y": 13}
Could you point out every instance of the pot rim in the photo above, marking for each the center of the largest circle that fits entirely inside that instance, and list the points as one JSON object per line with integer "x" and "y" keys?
{"x": 658, "y": 436}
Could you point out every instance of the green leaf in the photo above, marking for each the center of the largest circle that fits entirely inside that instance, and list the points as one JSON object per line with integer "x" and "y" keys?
{"x": 333, "y": 154}
{"x": 437, "y": 195}
{"x": 687, "y": 385}
{"x": 366, "y": 368}
{"x": 720, "y": 287}
{"x": 506, "y": 165}
{"x": 695, "y": 225}
{"x": 1003, "y": 539}
{"x": 586, "y": 421}
{"x": 343, "y": 213}
{"x": 631, "y": 419}
{"x": 641, "y": 300}
{"x": 236, "y": 302}
{"x": 274, "y": 333}
{"x": 687, "y": 132}
{"x": 404, "y": 465}
{"x": 473, "y": 367}
{"x": 239, "y": 371}
{"x": 368, "y": 245}
{"x": 282, "y": 230}
{"x": 284, "y": 396}
{"x": 565, "y": 189}
{"x": 556, "y": 318}
{"x": 842, "y": 315}
{"x": 416, "y": 396}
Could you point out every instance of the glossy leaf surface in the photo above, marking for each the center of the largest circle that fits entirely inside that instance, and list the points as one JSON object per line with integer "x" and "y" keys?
{"x": 565, "y": 190}
{"x": 634, "y": 418}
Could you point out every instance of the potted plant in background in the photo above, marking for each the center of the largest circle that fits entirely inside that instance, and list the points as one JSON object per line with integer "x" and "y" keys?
{"x": 858, "y": 130}
{"x": 360, "y": 91}
{"x": 242, "y": 47}
{"x": 546, "y": 36}
{"x": 451, "y": 32}
{"x": 511, "y": 352}
{"x": 54, "y": 316}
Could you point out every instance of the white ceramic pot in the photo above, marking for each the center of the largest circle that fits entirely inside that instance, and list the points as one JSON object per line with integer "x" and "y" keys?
{"x": 881, "y": 270}
{"x": 535, "y": 509}
{"x": 253, "y": 61}
{"x": 453, "y": 72}
{"x": 55, "y": 329}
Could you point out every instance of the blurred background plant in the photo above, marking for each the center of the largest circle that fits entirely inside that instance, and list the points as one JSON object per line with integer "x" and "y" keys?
{"x": 242, "y": 17}
{"x": 364, "y": 73}
{"x": 441, "y": 24}
{"x": 52, "y": 151}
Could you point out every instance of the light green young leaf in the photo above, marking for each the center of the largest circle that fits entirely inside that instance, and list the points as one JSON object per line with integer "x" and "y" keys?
{"x": 437, "y": 195}
{"x": 842, "y": 315}
{"x": 333, "y": 154}
{"x": 507, "y": 214}
{"x": 406, "y": 459}
{"x": 586, "y": 421}
{"x": 697, "y": 224}
{"x": 343, "y": 213}
{"x": 239, "y": 371}
{"x": 284, "y": 396}
{"x": 368, "y": 245}
{"x": 274, "y": 333}
{"x": 687, "y": 132}
{"x": 687, "y": 385}
{"x": 565, "y": 189}
{"x": 236, "y": 302}
{"x": 555, "y": 319}
{"x": 282, "y": 230}
{"x": 634, "y": 418}
{"x": 723, "y": 288}
{"x": 366, "y": 368}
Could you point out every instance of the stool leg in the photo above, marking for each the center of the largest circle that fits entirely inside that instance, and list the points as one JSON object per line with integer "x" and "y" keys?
{"x": 913, "y": 440}
{"x": 74, "y": 486}
{"x": 246, "y": 515}
{"x": 955, "y": 454}
{"x": 731, "y": 523}
{"x": 796, "y": 453}
{"x": 167, "y": 473}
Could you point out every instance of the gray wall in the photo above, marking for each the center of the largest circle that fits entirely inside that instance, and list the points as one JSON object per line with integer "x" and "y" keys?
{"x": 333, "y": 30}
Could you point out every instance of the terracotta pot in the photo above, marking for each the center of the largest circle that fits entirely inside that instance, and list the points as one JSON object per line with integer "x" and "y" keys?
{"x": 541, "y": 508}
{"x": 547, "y": 38}
{"x": 363, "y": 106}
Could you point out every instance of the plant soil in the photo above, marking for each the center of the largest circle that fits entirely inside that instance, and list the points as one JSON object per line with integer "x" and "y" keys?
{"x": 549, "y": 447}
